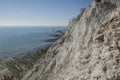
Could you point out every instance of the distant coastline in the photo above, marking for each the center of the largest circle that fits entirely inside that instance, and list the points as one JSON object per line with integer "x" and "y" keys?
{"x": 17, "y": 40}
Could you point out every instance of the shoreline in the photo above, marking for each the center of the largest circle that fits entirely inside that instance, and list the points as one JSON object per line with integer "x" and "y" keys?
{"x": 22, "y": 52}
{"x": 18, "y": 65}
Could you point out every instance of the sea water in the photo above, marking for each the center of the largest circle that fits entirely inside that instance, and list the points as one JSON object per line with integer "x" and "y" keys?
{"x": 14, "y": 40}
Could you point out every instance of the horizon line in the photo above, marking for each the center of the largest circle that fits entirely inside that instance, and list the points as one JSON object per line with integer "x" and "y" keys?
{"x": 33, "y": 26}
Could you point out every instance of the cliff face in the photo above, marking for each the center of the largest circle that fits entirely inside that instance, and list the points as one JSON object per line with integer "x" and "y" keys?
{"x": 89, "y": 50}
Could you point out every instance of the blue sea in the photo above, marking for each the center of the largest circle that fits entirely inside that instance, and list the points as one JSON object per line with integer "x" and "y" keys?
{"x": 14, "y": 40}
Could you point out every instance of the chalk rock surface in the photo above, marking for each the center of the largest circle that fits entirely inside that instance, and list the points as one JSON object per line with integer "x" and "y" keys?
{"x": 89, "y": 50}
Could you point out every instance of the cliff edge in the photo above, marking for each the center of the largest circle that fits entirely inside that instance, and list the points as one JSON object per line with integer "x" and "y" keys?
{"x": 89, "y": 50}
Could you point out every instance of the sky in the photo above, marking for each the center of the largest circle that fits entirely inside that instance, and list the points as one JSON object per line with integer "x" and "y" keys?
{"x": 39, "y": 12}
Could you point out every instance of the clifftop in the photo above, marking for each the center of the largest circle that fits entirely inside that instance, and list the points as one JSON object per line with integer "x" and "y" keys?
{"x": 89, "y": 50}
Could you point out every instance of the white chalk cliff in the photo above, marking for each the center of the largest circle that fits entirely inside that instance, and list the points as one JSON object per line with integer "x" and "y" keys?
{"x": 89, "y": 50}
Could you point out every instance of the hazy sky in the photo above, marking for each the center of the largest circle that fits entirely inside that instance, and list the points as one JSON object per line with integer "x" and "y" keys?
{"x": 39, "y": 12}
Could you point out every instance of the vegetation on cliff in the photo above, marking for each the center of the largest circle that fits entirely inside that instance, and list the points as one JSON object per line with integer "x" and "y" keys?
{"x": 18, "y": 66}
